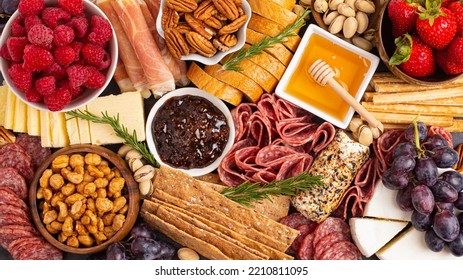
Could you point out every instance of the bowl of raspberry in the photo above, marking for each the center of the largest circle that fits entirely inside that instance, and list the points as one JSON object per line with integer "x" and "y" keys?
{"x": 421, "y": 42}
{"x": 58, "y": 55}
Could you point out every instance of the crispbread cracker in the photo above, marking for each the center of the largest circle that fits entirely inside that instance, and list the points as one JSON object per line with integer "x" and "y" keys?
{"x": 220, "y": 219}
{"x": 203, "y": 248}
{"x": 198, "y": 230}
{"x": 267, "y": 251}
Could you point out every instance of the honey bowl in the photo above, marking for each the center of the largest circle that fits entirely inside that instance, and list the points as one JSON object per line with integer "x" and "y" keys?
{"x": 353, "y": 66}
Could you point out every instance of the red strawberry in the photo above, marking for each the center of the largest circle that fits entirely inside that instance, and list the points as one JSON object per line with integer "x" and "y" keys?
{"x": 435, "y": 25}
{"x": 455, "y": 50}
{"x": 457, "y": 10}
{"x": 403, "y": 15}
{"x": 449, "y": 66}
{"x": 413, "y": 57}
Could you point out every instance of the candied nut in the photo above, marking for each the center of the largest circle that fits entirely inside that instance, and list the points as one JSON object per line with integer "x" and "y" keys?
{"x": 205, "y": 10}
{"x": 104, "y": 168}
{"x": 187, "y": 254}
{"x": 100, "y": 237}
{"x": 67, "y": 228}
{"x": 76, "y": 206}
{"x": 57, "y": 197}
{"x": 201, "y": 44}
{"x": 118, "y": 203}
{"x": 76, "y": 160}
{"x": 56, "y": 181}
{"x": 124, "y": 209}
{"x": 76, "y": 176}
{"x": 101, "y": 193}
{"x": 88, "y": 177}
{"x": 228, "y": 40}
{"x": 80, "y": 228}
{"x": 228, "y": 8}
{"x": 144, "y": 173}
{"x": 108, "y": 218}
{"x": 234, "y": 25}
{"x": 92, "y": 229}
{"x": 182, "y": 6}
{"x": 70, "y": 200}
{"x": 118, "y": 222}
{"x": 108, "y": 231}
{"x": 100, "y": 224}
{"x": 86, "y": 240}
{"x": 199, "y": 26}
{"x": 78, "y": 210}
{"x": 45, "y": 177}
{"x": 220, "y": 46}
{"x": 54, "y": 227}
{"x": 214, "y": 22}
{"x": 110, "y": 176}
{"x": 62, "y": 238}
{"x": 72, "y": 241}
{"x": 89, "y": 188}
{"x": 170, "y": 18}
{"x": 177, "y": 47}
{"x": 68, "y": 189}
{"x": 94, "y": 172}
{"x": 116, "y": 185}
{"x": 85, "y": 220}
{"x": 92, "y": 159}
{"x": 183, "y": 28}
{"x": 46, "y": 207}
{"x": 91, "y": 204}
{"x": 51, "y": 230}
{"x": 63, "y": 211}
{"x": 104, "y": 204}
{"x": 116, "y": 195}
{"x": 49, "y": 216}
{"x": 117, "y": 173}
{"x": 93, "y": 217}
{"x": 60, "y": 162}
{"x": 47, "y": 194}
{"x": 39, "y": 194}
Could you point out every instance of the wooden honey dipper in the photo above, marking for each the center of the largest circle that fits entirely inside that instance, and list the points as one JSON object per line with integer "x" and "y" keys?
{"x": 323, "y": 74}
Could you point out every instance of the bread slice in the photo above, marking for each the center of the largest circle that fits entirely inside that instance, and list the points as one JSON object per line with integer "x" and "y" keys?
{"x": 272, "y": 11}
{"x": 287, "y": 4}
{"x": 215, "y": 87}
{"x": 269, "y": 63}
{"x": 272, "y": 29}
{"x": 278, "y": 51}
{"x": 252, "y": 91}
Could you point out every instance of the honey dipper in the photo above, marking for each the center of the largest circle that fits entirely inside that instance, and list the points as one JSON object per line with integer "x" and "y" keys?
{"x": 323, "y": 74}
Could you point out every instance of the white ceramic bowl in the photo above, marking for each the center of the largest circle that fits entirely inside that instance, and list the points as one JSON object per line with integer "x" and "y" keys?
{"x": 240, "y": 35}
{"x": 216, "y": 102}
{"x": 89, "y": 94}
{"x": 296, "y": 66}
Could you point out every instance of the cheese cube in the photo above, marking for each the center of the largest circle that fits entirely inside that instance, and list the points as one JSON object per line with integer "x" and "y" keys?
{"x": 59, "y": 134}
{"x": 10, "y": 110}
{"x": 73, "y": 131}
{"x": 3, "y": 97}
{"x": 129, "y": 107}
{"x": 20, "y": 116}
{"x": 33, "y": 121}
{"x": 45, "y": 129}
{"x": 84, "y": 129}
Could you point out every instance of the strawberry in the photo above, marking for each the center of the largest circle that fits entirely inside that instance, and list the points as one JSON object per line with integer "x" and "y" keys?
{"x": 413, "y": 57}
{"x": 457, "y": 9}
{"x": 435, "y": 25}
{"x": 403, "y": 15}
{"x": 449, "y": 66}
{"x": 455, "y": 50}
{"x": 446, "y": 3}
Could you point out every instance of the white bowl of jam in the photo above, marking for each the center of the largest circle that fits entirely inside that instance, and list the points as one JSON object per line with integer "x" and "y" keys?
{"x": 190, "y": 130}
{"x": 353, "y": 66}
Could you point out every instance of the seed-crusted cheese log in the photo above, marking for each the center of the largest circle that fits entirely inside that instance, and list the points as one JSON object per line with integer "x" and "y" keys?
{"x": 338, "y": 164}
{"x": 279, "y": 51}
{"x": 271, "y": 10}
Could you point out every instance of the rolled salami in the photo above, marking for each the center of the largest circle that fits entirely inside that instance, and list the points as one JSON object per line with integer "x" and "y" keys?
{"x": 338, "y": 164}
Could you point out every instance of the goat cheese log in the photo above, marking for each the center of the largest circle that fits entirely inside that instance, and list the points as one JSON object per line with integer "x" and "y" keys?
{"x": 337, "y": 164}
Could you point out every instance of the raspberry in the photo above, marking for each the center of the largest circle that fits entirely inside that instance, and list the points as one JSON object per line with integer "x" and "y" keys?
{"x": 21, "y": 78}
{"x": 77, "y": 46}
{"x": 74, "y": 91}
{"x": 56, "y": 71}
{"x": 55, "y": 16}
{"x": 16, "y": 46}
{"x": 95, "y": 79}
{"x": 63, "y": 35}
{"x": 31, "y": 21}
{"x": 74, "y": 7}
{"x": 78, "y": 75}
{"x": 41, "y": 36}
{"x": 45, "y": 85}
{"x": 100, "y": 31}
{"x": 32, "y": 95}
{"x": 5, "y": 53}
{"x": 31, "y": 7}
{"x": 80, "y": 26}
{"x": 17, "y": 28}
{"x": 64, "y": 56}
{"x": 58, "y": 99}
{"x": 93, "y": 54}
{"x": 37, "y": 58}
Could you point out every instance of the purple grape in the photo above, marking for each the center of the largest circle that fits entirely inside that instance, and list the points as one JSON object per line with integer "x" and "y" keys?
{"x": 456, "y": 246}
{"x": 433, "y": 241}
{"x": 167, "y": 251}
{"x": 422, "y": 199}
{"x": 404, "y": 199}
{"x": 444, "y": 157}
{"x": 459, "y": 202}
{"x": 426, "y": 171}
{"x": 116, "y": 251}
{"x": 394, "y": 182}
{"x": 143, "y": 230}
{"x": 454, "y": 178}
{"x": 460, "y": 219}
{"x": 441, "y": 206}
{"x": 410, "y": 132}
{"x": 403, "y": 165}
{"x": 443, "y": 192}
{"x": 421, "y": 222}
{"x": 145, "y": 248}
{"x": 10, "y": 6}
{"x": 433, "y": 141}
{"x": 446, "y": 225}
{"x": 405, "y": 148}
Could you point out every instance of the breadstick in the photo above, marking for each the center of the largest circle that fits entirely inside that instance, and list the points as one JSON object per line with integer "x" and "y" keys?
{"x": 389, "y": 126}
{"x": 415, "y": 109}
{"x": 395, "y": 118}
{"x": 457, "y": 126}
{"x": 394, "y": 87}
{"x": 404, "y": 97}
{"x": 368, "y": 96}
{"x": 453, "y": 101}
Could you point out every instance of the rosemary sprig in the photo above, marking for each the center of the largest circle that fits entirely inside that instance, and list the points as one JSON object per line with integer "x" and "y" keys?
{"x": 119, "y": 129}
{"x": 248, "y": 192}
{"x": 267, "y": 42}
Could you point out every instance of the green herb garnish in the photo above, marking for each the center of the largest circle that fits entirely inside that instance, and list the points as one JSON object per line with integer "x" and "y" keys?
{"x": 267, "y": 42}
{"x": 249, "y": 192}
{"x": 120, "y": 130}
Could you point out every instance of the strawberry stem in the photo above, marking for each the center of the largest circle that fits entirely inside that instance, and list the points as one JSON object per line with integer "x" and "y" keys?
{"x": 431, "y": 11}
{"x": 403, "y": 50}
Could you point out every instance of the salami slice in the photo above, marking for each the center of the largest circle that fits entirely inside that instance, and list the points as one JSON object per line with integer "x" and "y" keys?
{"x": 10, "y": 178}
{"x": 13, "y": 232}
{"x": 8, "y": 209}
{"x": 33, "y": 147}
{"x": 303, "y": 231}
{"x": 327, "y": 242}
{"x": 9, "y": 219}
{"x": 12, "y": 147}
{"x": 306, "y": 249}
{"x": 8, "y": 197}
{"x": 384, "y": 146}
{"x": 344, "y": 250}
{"x": 41, "y": 251}
{"x": 294, "y": 220}
{"x": 331, "y": 224}
{"x": 20, "y": 161}
{"x": 17, "y": 246}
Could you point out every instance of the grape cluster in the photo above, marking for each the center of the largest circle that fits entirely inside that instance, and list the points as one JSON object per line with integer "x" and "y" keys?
{"x": 141, "y": 245}
{"x": 8, "y": 7}
{"x": 432, "y": 198}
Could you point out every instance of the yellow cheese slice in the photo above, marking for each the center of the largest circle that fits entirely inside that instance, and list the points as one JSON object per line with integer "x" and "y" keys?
{"x": 73, "y": 131}
{"x": 84, "y": 129}
{"x": 129, "y": 107}
{"x": 20, "y": 116}
{"x": 271, "y": 10}
{"x": 59, "y": 134}
{"x": 45, "y": 129}
{"x": 10, "y": 110}
{"x": 33, "y": 121}
{"x": 3, "y": 97}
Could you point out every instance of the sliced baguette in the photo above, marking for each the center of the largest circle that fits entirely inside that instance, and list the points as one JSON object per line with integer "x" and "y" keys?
{"x": 272, "y": 11}
{"x": 269, "y": 63}
{"x": 252, "y": 91}
{"x": 287, "y": 4}
{"x": 215, "y": 87}
{"x": 278, "y": 51}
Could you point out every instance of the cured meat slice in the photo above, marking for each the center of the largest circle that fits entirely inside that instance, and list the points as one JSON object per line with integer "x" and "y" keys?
{"x": 296, "y": 131}
{"x": 306, "y": 249}
{"x": 8, "y": 197}
{"x": 19, "y": 161}
{"x": 9, "y": 219}
{"x": 17, "y": 246}
{"x": 303, "y": 231}
{"x": 441, "y": 131}
{"x": 321, "y": 138}
{"x": 241, "y": 115}
{"x": 330, "y": 225}
{"x": 327, "y": 242}
{"x": 33, "y": 147}
{"x": 41, "y": 251}
{"x": 287, "y": 110}
{"x": 350, "y": 204}
{"x": 344, "y": 250}
{"x": 260, "y": 129}
{"x": 12, "y": 147}
{"x": 384, "y": 146}
{"x": 294, "y": 165}
{"x": 267, "y": 105}
{"x": 9, "y": 209}
{"x": 12, "y": 232}
{"x": 10, "y": 178}
{"x": 294, "y": 220}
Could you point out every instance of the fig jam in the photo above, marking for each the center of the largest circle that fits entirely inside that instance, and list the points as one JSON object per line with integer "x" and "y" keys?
{"x": 189, "y": 132}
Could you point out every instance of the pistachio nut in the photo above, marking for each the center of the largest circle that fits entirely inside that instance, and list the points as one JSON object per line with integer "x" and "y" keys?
{"x": 305, "y": 3}
{"x": 365, "y": 135}
{"x": 333, "y": 4}
{"x": 349, "y": 27}
{"x": 144, "y": 173}
{"x": 362, "y": 43}
{"x": 135, "y": 164}
{"x": 369, "y": 34}
{"x": 299, "y": 10}
{"x": 351, "y": 4}
{"x": 362, "y": 20}
{"x": 329, "y": 16}
{"x": 320, "y": 6}
{"x": 123, "y": 150}
{"x": 377, "y": 131}
{"x": 354, "y": 124}
{"x": 336, "y": 24}
{"x": 345, "y": 10}
{"x": 146, "y": 187}
{"x": 133, "y": 154}
{"x": 365, "y": 6}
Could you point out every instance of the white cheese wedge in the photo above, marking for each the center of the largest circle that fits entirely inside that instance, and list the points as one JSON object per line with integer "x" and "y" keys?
{"x": 129, "y": 106}
{"x": 33, "y": 121}
{"x": 84, "y": 129}
{"x": 383, "y": 205}
{"x": 45, "y": 129}
{"x": 20, "y": 116}
{"x": 410, "y": 245}
{"x": 370, "y": 235}
{"x": 10, "y": 110}
{"x": 59, "y": 134}
{"x": 73, "y": 131}
{"x": 3, "y": 97}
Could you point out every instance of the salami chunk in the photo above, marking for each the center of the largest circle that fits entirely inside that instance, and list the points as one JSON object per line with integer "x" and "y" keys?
{"x": 303, "y": 231}
{"x": 10, "y": 178}
{"x": 294, "y": 220}
{"x": 331, "y": 225}
{"x": 33, "y": 147}
{"x": 20, "y": 161}
{"x": 9, "y": 219}
{"x": 9, "y": 209}
{"x": 327, "y": 242}
{"x": 344, "y": 250}
{"x": 8, "y": 197}
{"x": 12, "y": 147}
{"x": 306, "y": 249}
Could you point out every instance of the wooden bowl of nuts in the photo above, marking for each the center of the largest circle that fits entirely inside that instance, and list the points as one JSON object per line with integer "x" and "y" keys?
{"x": 203, "y": 31}
{"x": 351, "y": 20}
{"x": 83, "y": 198}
